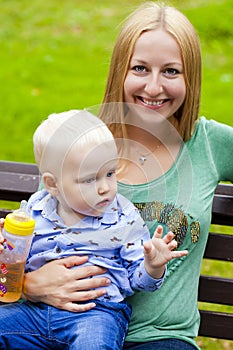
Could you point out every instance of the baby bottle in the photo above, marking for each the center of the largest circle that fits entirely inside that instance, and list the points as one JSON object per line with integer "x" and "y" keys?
{"x": 17, "y": 232}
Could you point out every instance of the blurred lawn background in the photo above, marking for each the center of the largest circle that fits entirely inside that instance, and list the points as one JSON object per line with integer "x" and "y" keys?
{"x": 55, "y": 56}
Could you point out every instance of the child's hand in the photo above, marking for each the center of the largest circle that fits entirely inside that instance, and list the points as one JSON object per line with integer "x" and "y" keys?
{"x": 158, "y": 251}
{"x": 1, "y": 236}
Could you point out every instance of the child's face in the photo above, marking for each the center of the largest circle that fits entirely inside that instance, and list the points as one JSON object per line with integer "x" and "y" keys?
{"x": 155, "y": 79}
{"x": 88, "y": 182}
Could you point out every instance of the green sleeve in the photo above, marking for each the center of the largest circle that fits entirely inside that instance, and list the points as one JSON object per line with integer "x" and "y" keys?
{"x": 220, "y": 137}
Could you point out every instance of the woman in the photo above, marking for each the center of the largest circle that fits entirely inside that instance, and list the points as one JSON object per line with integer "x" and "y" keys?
{"x": 170, "y": 165}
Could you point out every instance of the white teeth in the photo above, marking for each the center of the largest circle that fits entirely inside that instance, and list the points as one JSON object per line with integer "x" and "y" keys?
{"x": 152, "y": 103}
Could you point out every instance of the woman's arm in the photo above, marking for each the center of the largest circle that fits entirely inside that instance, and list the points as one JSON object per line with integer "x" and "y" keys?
{"x": 68, "y": 289}
{"x": 58, "y": 285}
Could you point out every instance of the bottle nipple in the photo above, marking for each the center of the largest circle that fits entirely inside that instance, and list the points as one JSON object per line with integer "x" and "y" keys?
{"x": 21, "y": 213}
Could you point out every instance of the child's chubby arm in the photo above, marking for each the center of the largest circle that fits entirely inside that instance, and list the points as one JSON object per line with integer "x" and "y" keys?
{"x": 158, "y": 251}
{"x": 1, "y": 236}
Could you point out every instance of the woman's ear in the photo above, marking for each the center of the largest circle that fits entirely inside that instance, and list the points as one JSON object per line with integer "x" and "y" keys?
{"x": 50, "y": 183}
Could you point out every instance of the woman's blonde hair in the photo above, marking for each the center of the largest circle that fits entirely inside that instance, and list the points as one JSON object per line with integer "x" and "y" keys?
{"x": 151, "y": 16}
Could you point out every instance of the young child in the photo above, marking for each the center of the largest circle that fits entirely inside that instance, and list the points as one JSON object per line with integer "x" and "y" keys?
{"x": 80, "y": 213}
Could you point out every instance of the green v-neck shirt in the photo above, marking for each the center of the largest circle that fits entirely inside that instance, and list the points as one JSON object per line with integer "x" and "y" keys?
{"x": 181, "y": 200}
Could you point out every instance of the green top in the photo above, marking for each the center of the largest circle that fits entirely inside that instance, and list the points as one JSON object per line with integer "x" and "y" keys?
{"x": 181, "y": 200}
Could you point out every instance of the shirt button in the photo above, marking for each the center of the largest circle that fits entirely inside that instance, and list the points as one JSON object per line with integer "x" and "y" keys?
{"x": 58, "y": 250}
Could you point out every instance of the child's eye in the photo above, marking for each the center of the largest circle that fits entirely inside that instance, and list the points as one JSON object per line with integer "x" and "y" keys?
{"x": 110, "y": 173}
{"x": 90, "y": 180}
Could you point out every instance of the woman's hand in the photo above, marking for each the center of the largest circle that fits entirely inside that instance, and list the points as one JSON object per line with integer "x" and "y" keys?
{"x": 58, "y": 285}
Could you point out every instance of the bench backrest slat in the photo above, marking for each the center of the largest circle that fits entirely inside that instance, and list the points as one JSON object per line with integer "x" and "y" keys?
{"x": 216, "y": 325}
{"x": 219, "y": 247}
{"x": 222, "y": 210}
{"x": 216, "y": 290}
{"x": 18, "y": 180}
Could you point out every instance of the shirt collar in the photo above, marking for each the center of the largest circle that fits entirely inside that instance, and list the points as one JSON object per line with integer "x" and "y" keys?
{"x": 47, "y": 206}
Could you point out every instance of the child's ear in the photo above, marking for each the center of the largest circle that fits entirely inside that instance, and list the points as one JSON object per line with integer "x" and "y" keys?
{"x": 50, "y": 183}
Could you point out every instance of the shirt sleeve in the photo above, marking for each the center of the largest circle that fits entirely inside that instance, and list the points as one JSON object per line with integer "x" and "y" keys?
{"x": 220, "y": 137}
{"x": 133, "y": 257}
{"x": 141, "y": 280}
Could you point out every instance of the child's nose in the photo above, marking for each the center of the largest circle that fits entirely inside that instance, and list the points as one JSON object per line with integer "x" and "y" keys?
{"x": 103, "y": 187}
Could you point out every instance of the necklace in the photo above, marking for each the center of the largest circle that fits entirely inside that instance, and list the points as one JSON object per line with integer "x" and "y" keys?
{"x": 143, "y": 157}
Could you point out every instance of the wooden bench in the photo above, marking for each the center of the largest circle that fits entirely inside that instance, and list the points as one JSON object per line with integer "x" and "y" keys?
{"x": 19, "y": 180}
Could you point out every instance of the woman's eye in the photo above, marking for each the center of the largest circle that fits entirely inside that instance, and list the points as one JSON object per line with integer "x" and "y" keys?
{"x": 171, "y": 71}
{"x": 139, "y": 69}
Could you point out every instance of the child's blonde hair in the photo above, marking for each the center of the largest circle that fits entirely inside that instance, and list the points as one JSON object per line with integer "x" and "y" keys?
{"x": 56, "y": 135}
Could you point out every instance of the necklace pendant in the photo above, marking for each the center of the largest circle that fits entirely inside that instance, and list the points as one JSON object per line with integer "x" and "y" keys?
{"x": 142, "y": 160}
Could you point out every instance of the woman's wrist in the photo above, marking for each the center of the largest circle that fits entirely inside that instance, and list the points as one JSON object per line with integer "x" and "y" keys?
{"x": 31, "y": 287}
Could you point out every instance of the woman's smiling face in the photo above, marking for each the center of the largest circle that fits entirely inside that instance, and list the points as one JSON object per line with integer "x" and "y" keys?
{"x": 155, "y": 78}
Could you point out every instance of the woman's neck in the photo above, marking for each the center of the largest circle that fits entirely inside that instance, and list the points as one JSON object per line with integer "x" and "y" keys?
{"x": 146, "y": 155}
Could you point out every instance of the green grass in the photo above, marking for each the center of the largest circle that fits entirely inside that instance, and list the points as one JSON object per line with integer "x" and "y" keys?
{"x": 55, "y": 56}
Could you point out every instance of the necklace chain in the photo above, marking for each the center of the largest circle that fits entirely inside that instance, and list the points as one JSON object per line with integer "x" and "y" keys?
{"x": 143, "y": 157}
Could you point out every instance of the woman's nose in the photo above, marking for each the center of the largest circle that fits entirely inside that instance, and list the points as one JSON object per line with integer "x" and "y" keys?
{"x": 153, "y": 85}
